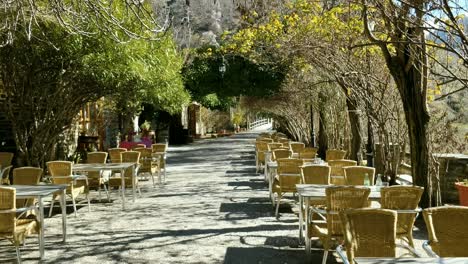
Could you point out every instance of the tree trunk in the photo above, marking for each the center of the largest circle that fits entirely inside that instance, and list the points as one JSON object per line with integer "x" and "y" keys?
{"x": 370, "y": 144}
{"x": 322, "y": 136}
{"x": 417, "y": 118}
{"x": 356, "y": 137}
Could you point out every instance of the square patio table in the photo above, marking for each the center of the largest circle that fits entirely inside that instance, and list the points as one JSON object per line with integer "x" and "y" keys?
{"x": 113, "y": 167}
{"x": 316, "y": 192}
{"x": 39, "y": 192}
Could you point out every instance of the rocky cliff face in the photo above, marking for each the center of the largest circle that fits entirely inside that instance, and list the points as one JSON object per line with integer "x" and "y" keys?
{"x": 199, "y": 22}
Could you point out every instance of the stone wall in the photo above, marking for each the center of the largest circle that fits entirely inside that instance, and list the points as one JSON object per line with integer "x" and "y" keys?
{"x": 453, "y": 167}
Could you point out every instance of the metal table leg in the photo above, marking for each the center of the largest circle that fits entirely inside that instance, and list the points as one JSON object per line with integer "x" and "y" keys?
{"x": 41, "y": 220}
{"x": 301, "y": 221}
{"x": 64, "y": 215}
{"x": 134, "y": 183}
{"x": 122, "y": 177}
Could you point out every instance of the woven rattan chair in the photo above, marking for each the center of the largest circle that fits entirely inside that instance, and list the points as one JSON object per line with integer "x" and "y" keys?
{"x": 447, "y": 228}
{"x": 283, "y": 141}
{"x": 95, "y": 178}
{"x": 355, "y": 175}
{"x": 316, "y": 174}
{"x": 148, "y": 164}
{"x": 260, "y": 148}
{"x": 61, "y": 173}
{"x": 14, "y": 229}
{"x": 338, "y": 198}
{"x": 337, "y": 172}
{"x": 26, "y": 176}
{"x": 334, "y": 154}
{"x": 5, "y": 174}
{"x": 368, "y": 232}
{"x": 131, "y": 157}
{"x": 308, "y": 153}
{"x": 160, "y": 150}
{"x": 138, "y": 146}
{"x": 114, "y": 154}
{"x": 402, "y": 198}
{"x": 297, "y": 147}
{"x": 288, "y": 175}
{"x": 273, "y": 146}
{"x": 5, "y": 159}
{"x": 281, "y": 154}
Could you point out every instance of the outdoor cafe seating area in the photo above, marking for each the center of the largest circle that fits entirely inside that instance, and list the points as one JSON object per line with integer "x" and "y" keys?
{"x": 26, "y": 191}
{"x": 353, "y": 211}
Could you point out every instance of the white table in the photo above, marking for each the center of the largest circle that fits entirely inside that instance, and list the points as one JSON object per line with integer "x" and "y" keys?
{"x": 113, "y": 167}
{"x": 316, "y": 192}
{"x": 39, "y": 192}
{"x": 411, "y": 260}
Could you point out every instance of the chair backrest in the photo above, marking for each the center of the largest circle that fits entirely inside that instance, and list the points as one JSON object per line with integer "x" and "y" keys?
{"x": 402, "y": 198}
{"x": 130, "y": 156}
{"x": 447, "y": 229}
{"x": 369, "y": 232}
{"x": 297, "y": 147}
{"x": 6, "y": 158}
{"x": 281, "y": 154}
{"x": 27, "y": 175}
{"x": 334, "y": 154}
{"x": 337, "y": 166}
{"x": 289, "y": 174}
{"x": 267, "y": 140}
{"x": 261, "y": 147}
{"x": 159, "y": 147}
{"x": 114, "y": 154}
{"x": 316, "y": 174}
{"x": 308, "y": 153}
{"x": 7, "y": 203}
{"x": 283, "y": 141}
{"x": 339, "y": 198}
{"x": 60, "y": 169}
{"x": 5, "y": 174}
{"x": 146, "y": 159}
{"x": 139, "y": 146}
{"x": 355, "y": 175}
{"x": 96, "y": 157}
{"x": 273, "y": 146}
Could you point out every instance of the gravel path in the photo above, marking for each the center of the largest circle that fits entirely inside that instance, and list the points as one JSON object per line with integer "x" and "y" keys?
{"x": 213, "y": 209}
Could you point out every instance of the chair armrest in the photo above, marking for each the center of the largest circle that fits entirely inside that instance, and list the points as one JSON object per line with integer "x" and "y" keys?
{"x": 342, "y": 254}
{"x": 429, "y": 250}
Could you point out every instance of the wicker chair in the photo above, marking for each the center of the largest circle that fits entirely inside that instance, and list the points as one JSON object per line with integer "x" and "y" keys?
{"x": 61, "y": 173}
{"x": 95, "y": 178}
{"x": 308, "y": 153}
{"x": 260, "y": 148}
{"x": 334, "y": 154}
{"x": 14, "y": 229}
{"x": 368, "y": 232}
{"x": 338, "y": 198}
{"x": 273, "y": 146}
{"x": 128, "y": 156}
{"x": 138, "y": 146}
{"x": 297, "y": 147}
{"x": 283, "y": 141}
{"x": 316, "y": 174}
{"x": 114, "y": 154}
{"x": 26, "y": 176}
{"x": 337, "y": 172}
{"x": 149, "y": 165}
{"x": 281, "y": 154}
{"x": 447, "y": 229}
{"x": 288, "y": 175}
{"x": 354, "y": 175}
{"x": 402, "y": 198}
{"x": 5, "y": 159}
{"x": 157, "y": 150}
{"x": 5, "y": 175}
